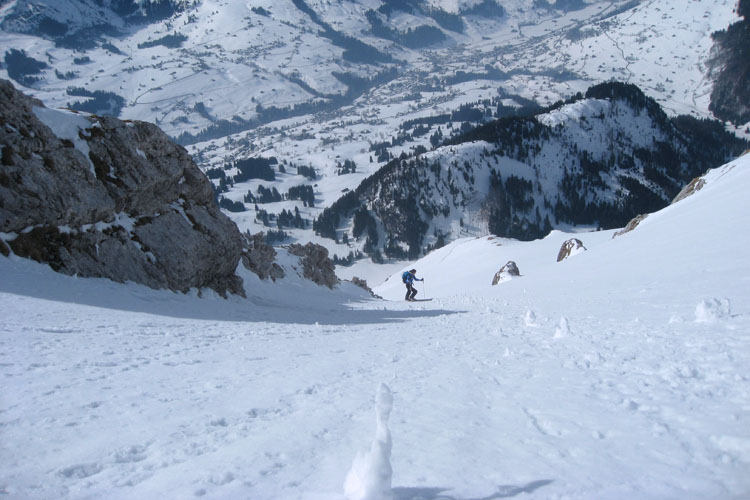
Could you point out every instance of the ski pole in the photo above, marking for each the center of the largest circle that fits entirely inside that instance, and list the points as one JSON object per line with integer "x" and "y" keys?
{"x": 424, "y": 294}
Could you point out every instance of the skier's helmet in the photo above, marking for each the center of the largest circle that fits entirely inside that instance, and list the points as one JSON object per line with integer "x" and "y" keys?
{"x": 412, "y": 270}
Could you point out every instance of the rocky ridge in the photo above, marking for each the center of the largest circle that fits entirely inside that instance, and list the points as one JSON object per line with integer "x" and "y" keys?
{"x": 96, "y": 196}
{"x": 100, "y": 197}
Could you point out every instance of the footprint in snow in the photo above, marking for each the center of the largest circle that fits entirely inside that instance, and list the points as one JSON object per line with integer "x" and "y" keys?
{"x": 81, "y": 471}
{"x": 219, "y": 422}
{"x": 133, "y": 454}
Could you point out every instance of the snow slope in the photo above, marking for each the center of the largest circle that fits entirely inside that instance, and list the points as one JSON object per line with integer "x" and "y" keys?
{"x": 620, "y": 372}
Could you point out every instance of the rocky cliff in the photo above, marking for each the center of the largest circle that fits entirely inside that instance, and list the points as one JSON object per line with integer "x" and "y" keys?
{"x": 96, "y": 196}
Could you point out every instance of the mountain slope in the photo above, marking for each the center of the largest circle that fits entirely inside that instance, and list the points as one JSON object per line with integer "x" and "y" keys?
{"x": 216, "y": 61}
{"x": 620, "y": 372}
{"x": 69, "y": 22}
{"x": 697, "y": 240}
{"x": 730, "y": 96}
{"x": 595, "y": 161}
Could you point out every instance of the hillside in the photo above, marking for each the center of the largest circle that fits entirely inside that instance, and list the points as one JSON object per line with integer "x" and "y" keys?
{"x": 671, "y": 245}
{"x": 595, "y": 161}
{"x": 730, "y": 96}
{"x": 617, "y": 373}
{"x": 323, "y": 87}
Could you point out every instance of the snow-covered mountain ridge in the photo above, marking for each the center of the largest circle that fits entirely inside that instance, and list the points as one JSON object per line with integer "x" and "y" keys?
{"x": 81, "y": 23}
{"x": 597, "y": 161}
{"x": 530, "y": 40}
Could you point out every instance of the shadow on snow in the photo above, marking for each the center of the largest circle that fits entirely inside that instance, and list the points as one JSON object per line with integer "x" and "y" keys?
{"x": 269, "y": 303}
{"x": 504, "y": 491}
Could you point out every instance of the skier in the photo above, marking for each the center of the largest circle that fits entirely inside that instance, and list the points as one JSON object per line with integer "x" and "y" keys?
{"x": 409, "y": 277}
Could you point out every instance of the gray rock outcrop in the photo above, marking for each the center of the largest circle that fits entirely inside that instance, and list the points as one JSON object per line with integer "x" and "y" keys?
{"x": 316, "y": 266}
{"x": 569, "y": 248}
{"x": 259, "y": 257}
{"x": 100, "y": 197}
{"x": 507, "y": 272}
{"x": 363, "y": 285}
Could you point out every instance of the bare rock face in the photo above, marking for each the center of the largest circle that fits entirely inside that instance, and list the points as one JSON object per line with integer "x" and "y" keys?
{"x": 630, "y": 225}
{"x": 363, "y": 285}
{"x": 99, "y": 197}
{"x": 259, "y": 257}
{"x": 316, "y": 265}
{"x": 694, "y": 186}
{"x": 507, "y": 272}
{"x": 569, "y": 248}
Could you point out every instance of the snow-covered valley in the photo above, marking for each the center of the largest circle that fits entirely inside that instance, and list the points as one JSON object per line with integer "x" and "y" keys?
{"x": 237, "y": 80}
{"x": 620, "y": 372}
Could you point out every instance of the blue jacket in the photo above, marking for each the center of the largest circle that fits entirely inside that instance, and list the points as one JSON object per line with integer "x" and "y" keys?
{"x": 408, "y": 278}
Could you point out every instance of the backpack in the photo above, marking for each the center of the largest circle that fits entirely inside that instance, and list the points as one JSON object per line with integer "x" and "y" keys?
{"x": 405, "y": 276}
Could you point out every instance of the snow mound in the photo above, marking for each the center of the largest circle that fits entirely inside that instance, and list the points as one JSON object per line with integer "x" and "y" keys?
{"x": 562, "y": 329}
{"x": 712, "y": 310}
{"x": 370, "y": 475}
{"x": 529, "y": 318}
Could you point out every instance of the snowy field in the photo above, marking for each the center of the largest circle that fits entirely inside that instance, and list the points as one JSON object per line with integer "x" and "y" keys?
{"x": 619, "y": 373}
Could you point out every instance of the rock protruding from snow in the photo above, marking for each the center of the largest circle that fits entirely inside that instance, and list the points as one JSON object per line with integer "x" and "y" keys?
{"x": 363, "y": 285}
{"x": 316, "y": 265}
{"x": 506, "y": 273}
{"x": 259, "y": 257}
{"x": 99, "y": 197}
{"x": 694, "y": 186}
{"x": 712, "y": 310}
{"x": 569, "y": 248}
{"x": 371, "y": 473}
{"x": 630, "y": 225}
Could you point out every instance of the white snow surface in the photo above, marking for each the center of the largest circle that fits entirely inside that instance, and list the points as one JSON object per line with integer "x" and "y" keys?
{"x": 621, "y": 373}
